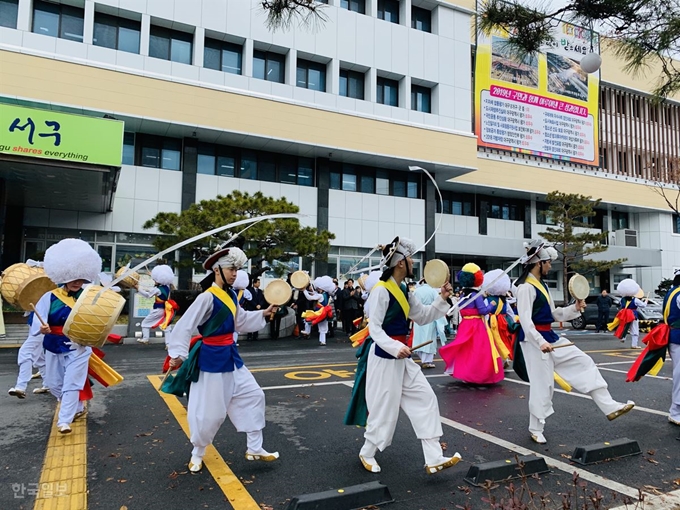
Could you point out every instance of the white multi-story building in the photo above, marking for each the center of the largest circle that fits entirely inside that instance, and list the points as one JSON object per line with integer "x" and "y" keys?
{"x": 329, "y": 116}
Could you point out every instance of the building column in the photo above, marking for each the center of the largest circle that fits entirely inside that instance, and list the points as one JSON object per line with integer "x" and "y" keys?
{"x": 145, "y": 35}
{"x": 431, "y": 200}
{"x": 291, "y": 67}
{"x": 88, "y": 22}
{"x": 24, "y": 15}
{"x": 323, "y": 183}
{"x": 199, "y": 46}
{"x": 247, "y": 60}
{"x": 333, "y": 81}
{"x": 189, "y": 172}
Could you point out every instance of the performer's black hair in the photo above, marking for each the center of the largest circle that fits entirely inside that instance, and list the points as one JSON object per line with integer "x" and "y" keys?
{"x": 387, "y": 274}
{"x": 676, "y": 280}
{"x": 525, "y": 272}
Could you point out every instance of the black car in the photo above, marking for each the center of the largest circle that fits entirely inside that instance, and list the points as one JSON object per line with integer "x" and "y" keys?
{"x": 649, "y": 316}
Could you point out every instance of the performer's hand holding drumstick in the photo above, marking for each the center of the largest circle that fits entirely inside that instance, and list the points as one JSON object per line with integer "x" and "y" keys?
{"x": 44, "y": 327}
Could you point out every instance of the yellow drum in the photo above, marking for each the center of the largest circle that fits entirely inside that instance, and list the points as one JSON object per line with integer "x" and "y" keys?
{"x": 23, "y": 284}
{"x": 130, "y": 281}
{"x": 90, "y": 323}
{"x": 361, "y": 281}
{"x": 436, "y": 273}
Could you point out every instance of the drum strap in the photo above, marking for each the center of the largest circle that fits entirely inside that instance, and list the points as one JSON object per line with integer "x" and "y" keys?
{"x": 669, "y": 301}
{"x": 62, "y": 295}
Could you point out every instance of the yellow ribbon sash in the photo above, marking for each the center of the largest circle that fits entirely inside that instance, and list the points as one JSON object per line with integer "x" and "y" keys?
{"x": 225, "y": 298}
{"x": 398, "y": 294}
{"x": 62, "y": 295}
{"x": 531, "y": 279}
{"x": 667, "y": 308}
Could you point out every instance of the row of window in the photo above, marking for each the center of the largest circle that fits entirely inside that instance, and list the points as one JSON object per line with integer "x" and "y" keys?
{"x": 388, "y": 10}
{"x": 463, "y": 204}
{"x": 65, "y": 21}
{"x": 378, "y": 181}
{"x": 162, "y": 152}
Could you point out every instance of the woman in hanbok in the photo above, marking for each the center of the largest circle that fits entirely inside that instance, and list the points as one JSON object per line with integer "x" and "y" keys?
{"x": 501, "y": 319}
{"x": 473, "y": 356}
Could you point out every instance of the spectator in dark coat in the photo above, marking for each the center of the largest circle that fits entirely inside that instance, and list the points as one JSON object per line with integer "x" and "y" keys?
{"x": 256, "y": 303}
{"x": 604, "y": 303}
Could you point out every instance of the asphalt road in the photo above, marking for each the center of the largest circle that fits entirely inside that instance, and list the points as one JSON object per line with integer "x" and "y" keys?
{"x": 137, "y": 451}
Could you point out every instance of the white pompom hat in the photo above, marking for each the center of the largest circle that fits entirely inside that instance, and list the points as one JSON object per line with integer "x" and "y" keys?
{"x": 501, "y": 286}
{"x": 70, "y": 260}
{"x": 163, "y": 274}
{"x": 241, "y": 281}
{"x": 628, "y": 287}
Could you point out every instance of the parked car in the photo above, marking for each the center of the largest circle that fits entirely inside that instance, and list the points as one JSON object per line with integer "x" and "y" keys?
{"x": 648, "y": 317}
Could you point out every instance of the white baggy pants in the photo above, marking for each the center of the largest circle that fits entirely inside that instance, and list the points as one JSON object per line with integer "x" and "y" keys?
{"x": 66, "y": 375}
{"x": 31, "y": 354}
{"x": 217, "y": 395}
{"x": 150, "y": 320}
{"x": 575, "y": 367}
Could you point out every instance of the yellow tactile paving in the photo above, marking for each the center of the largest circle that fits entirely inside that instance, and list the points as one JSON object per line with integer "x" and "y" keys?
{"x": 236, "y": 493}
{"x": 63, "y": 481}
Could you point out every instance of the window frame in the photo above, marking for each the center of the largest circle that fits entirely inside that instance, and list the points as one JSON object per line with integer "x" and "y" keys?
{"x": 415, "y": 19}
{"x": 15, "y": 5}
{"x": 382, "y": 4}
{"x": 352, "y": 75}
{"x": 381, "y": 84}
{"x": 159, "y": 144}
{"x": 222, "y": 47}
{"x": 417, "y": 90}
{"x": 307, "y": 65}
{"x": 267, "y": 56}
{"x": 61, "y": 10}
{"x": 359, "y": 6}
{"x": 171, "y": 35}
{"x": 118, "y": 25}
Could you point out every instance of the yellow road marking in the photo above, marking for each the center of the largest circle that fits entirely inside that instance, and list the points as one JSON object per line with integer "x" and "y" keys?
{"x": 301, "y": 367}
{"x": 9, "y": 346}
{"x": 63, "y": 480}
{"x": 231, "y": 486}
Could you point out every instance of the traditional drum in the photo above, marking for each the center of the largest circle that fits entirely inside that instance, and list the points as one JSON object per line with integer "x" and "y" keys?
{"x": 436, "y": 273}
{"x": 277, "y": 293}
{"x": 579, "y": 288}
{"x": 130, "y": 281}
{"x": 361, "y": 281}
{"x": 90, "y": 323}
{"x": 299, "y": 280}
{"x": 23, "y": 284}
{"x": 640, "y": 294}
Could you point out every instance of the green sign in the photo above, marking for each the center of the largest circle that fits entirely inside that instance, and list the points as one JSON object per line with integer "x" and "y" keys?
{"x": 60, "y": 136}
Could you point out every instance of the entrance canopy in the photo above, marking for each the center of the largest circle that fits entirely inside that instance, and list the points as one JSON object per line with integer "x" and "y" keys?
{"x": 59, "y": 160}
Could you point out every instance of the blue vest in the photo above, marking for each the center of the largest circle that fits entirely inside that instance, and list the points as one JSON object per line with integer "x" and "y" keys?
{"x": 160, "y": 300}
{"x": 673, "y": 316}
{"x": 395, "y": 323}
{"x": 59, "y": 312}
{"x": 629, "y": 302}
{"x": 219, "y": 358}
{"x": 541, "y": 314}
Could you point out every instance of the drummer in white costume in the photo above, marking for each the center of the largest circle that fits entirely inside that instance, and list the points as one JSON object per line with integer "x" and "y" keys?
{"x": 70, "y": 263}
{"x": 164, "y": 277}
{"x": 225, "y": 386}
{"x": 327, "y": 287}
{"x": 30, "y": 355}
{"x": 393, "y": 379}
{"x": 537, "y": 339}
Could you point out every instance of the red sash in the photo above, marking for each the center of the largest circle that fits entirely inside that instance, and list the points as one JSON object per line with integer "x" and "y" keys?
{"x": 227, "y": 339}
{"x": 543, "y": 327}
{"x": 57, "y": 330}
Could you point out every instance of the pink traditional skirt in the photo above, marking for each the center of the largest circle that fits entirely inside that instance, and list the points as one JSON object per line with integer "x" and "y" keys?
{"x": 472, "y": 356}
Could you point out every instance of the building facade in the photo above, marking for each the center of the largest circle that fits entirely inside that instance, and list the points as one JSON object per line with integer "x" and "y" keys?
{"x": 328, "y": 115}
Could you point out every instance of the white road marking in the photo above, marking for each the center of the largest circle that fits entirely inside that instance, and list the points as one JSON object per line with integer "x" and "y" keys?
{"x": 553, "y": 463}
{"x": 615, "y": 363}
{"x": 626, "y": 371}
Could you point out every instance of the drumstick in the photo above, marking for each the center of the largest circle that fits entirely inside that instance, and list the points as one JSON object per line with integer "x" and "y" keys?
{"x": 165, "y": 377}
{"x": 37, "y": 314}
{"x": 416, "y": 347}
{"x": 560, "y": 346}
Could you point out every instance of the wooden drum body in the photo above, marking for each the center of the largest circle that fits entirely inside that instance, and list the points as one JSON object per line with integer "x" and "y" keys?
{"x": 23, "y": 284}
{"x": 130, "y": 281}
{"x": 90, "y": 323}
